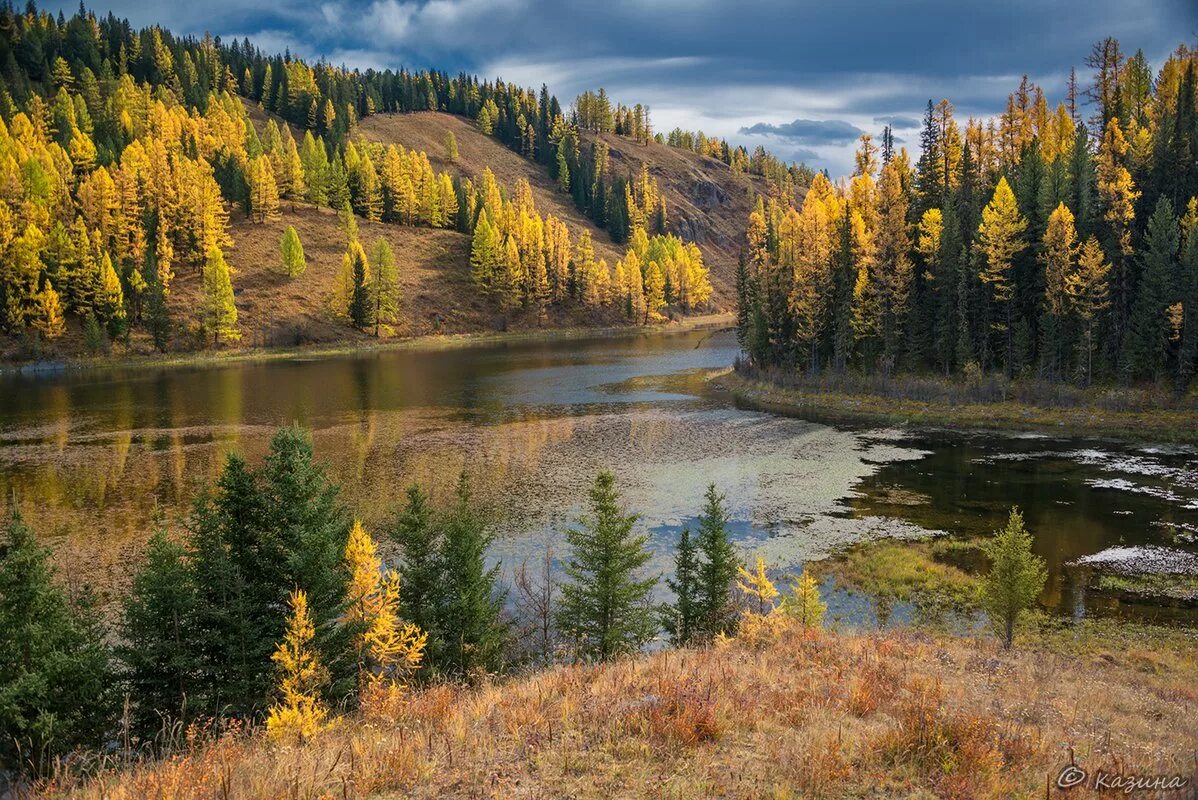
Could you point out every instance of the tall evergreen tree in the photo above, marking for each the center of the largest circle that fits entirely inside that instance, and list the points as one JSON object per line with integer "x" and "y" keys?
{"x": 418, "y": 537}
{"x": 680, "y": 619}
{"x": 471, "y": 628}
{"x": 1145, "y": 348}
{"x": 717, "y": 570}
{"x": 56, "y": 682}
{"x": 604, "y": 607}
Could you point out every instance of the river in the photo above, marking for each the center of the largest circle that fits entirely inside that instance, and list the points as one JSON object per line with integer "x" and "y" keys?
{"x": 94, "y": 457}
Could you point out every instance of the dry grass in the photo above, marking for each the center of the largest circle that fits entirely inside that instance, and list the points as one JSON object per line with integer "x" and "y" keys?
{"x": 811, "y": 715}
{"x": 1136, "y": 412}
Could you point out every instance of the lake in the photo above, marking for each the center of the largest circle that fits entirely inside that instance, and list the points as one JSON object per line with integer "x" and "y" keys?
{"x": 94, "y": 457}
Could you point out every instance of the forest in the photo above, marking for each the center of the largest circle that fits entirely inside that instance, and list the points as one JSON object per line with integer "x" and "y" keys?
{"x": 123, "y": 154}
{"x": 1058, "y": 243}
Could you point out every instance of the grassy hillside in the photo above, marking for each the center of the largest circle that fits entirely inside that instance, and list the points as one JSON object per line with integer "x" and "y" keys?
{"x": 901, "y": 714}
{"x": 706, "y": 202}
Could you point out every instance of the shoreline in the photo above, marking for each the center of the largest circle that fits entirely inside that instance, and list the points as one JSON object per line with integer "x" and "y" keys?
{"x": 207, "y": 358}
{"x": 1170, "y": 425}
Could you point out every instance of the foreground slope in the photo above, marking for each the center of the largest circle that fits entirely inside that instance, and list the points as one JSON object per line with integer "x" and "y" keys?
{"x": 898, "y": 714}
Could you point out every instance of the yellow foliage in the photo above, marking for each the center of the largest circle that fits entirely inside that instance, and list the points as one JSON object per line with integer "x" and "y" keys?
{"x": 757, "y": 585}
{"x": 300, "y": 713}
{"x": 804, "y": 604}
{"x": 389, "y": 650}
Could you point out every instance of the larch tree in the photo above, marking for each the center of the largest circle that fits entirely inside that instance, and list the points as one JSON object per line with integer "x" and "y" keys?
{"x": 1058, "y": 254}
{"x": 604, "y": 608}
{"x": 1000, "y": 237}
{"x": 384, "y": 287}
{"x": 299, "y": 713}
{"x": 758, "y": 587}
{"x": 804, "y": 604}
{"x": 1117, "y": 194}
{"x": 49, "y": 319}
{"x": 1016, "y": 577}
{"x": 389, "y": 651}
{"x": 264, "y": 191}
{"x": 293, "y": 262}
{"x": 1089, "y": 295}
{"x": 892, "y": 256}
{"x": 451, "y": 147}
{"x": 218, "y": 309}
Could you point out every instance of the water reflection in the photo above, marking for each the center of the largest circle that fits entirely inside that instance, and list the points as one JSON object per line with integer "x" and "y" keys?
{"x": 90, "y": 457}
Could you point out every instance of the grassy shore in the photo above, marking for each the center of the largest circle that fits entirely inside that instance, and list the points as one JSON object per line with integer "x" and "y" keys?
{"x": 1138, "y": 413}
{"x": 789, "y": 714}
{"x": 429, "y": 342}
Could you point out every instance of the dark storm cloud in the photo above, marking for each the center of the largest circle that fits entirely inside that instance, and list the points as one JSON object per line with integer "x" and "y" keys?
{"x": 703, "y": 64}
{"x": 808, "y": 131}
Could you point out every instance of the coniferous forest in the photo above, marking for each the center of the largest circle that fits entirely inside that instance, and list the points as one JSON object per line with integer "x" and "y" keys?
{"x": 723, "y": 602}
{"x": 1049, "y": 241}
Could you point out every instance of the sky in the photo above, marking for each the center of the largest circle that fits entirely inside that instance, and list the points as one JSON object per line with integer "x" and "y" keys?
{"x": 803, "y": 78}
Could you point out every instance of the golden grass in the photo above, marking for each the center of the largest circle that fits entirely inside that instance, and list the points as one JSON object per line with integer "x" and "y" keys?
{"x": 902, "y": 714}
{"x": 1172, "y": 424}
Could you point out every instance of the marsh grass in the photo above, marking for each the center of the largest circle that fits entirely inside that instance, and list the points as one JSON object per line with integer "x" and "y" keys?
{"x": 987, "y": 402}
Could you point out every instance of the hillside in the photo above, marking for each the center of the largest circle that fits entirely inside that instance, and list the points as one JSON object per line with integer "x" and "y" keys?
{"x": 706, "y": 202}
{"x": 899, "y": 714}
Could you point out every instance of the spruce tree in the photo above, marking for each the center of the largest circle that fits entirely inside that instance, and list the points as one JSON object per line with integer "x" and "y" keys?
{"x": 1147, "y": 342}
{"x": 1188, "y": 294}
{"x": 718, "y": 565}
{"x": 471, "y": 627}
{"x": 419, "y": 540}
{"x": 680, "y": 619}
{"x": 604, "y": 606}
{"x": 56, "y": 681}
{"x": 157, "y": 627}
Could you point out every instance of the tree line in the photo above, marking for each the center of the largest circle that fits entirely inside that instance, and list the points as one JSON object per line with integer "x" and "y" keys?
{"x": 1037, "y": 243}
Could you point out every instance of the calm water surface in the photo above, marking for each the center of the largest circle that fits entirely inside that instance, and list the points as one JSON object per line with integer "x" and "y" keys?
{"x": 92, "y": 457}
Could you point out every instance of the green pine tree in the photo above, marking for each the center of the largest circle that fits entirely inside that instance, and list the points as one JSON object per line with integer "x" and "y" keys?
{"x": 604, "y": 606}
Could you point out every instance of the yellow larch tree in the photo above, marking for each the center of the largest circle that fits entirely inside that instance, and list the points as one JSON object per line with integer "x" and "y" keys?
{"x": 300, "y": 712}
{"x": 1000, "y": 237}
{"x": 758, "y": 586}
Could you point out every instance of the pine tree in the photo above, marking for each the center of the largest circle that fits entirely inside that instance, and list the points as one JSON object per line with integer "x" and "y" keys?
{"x": 718, "y": 568}
{"x": 291, "y": 249}
{"x": 219, "y": 311}
{"x": 471, "y": 627}
{"x": 159, "y": 651}
{"x": 1016, "y": 577}
{"x": 1000, "y": 239}
{"x": 604, "y": 607}
{"x": 681, "y": 619}
{"x": 758, "y": 586}
{"x": 299, "y": 713}
{"x": 1146, "y": 345}
{"x": 804, "y": 604}
{"x": 384, "y": 291}
{"x": 54, "y": 667}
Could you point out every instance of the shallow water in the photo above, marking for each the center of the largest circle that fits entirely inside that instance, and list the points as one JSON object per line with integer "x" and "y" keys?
{"x": 93, "y": 456}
